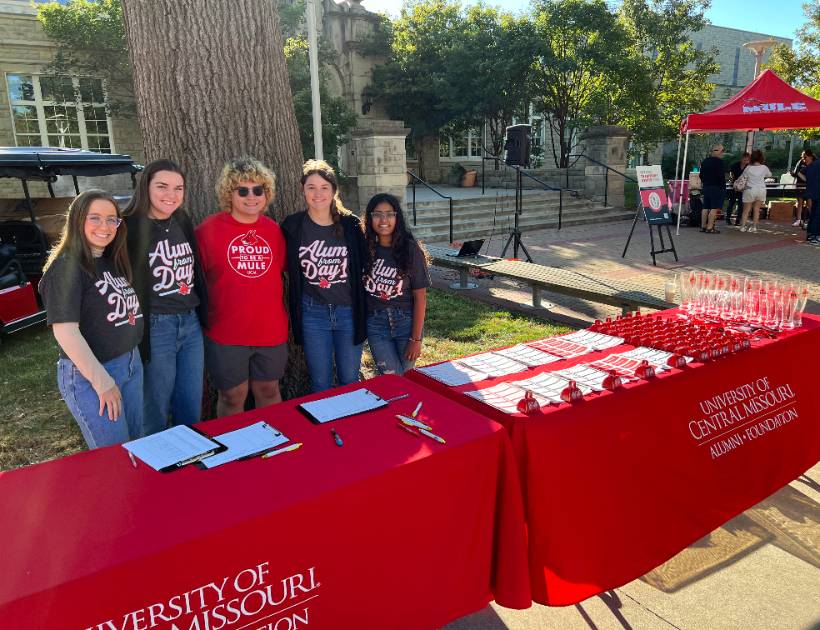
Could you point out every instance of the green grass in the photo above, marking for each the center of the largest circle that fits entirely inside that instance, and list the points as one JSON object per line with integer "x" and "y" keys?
{"x": 35, "y": 424}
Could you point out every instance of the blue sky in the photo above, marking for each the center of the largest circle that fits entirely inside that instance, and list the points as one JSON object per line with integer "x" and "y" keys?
{"x": 772, "y": 17}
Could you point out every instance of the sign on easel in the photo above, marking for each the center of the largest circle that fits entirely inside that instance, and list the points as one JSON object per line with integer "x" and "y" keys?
{"x": 653, "y": 196}
{"x": 655, "y": 206}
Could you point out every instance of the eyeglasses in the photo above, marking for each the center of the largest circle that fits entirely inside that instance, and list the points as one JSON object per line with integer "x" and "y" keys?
{"x": 257, "y": 191}
{"x": 96, "y": 220}
{"x": 381, "y": 216}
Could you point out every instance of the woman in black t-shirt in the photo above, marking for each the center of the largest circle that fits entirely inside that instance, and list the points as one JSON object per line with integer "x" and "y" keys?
{"x": 325, "y": 260}
{"x": 169, "y": 282}
{"x": 395, "y": 282}
{"x": 97, "y": 321}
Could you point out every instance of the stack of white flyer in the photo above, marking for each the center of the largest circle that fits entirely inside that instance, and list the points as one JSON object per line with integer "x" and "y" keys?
{"x": 505, "y": 397}
{"x": 452, "y": 374}
{"x": 586, "y": 375}
{"x": 594, "y": 340}
{"x": 527, "y": 355}
{"x": 493, "y": 364}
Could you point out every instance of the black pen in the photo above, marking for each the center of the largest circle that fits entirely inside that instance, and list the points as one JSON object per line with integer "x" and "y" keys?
{"x": 336, "y": 437}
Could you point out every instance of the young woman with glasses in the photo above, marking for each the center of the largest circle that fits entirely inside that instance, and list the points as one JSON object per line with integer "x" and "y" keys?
{"x": 97, "y": 321}
{"x": 243, "y": 257}
{"x": 326, "y": 254}
{"x": 171, "y": 289}
{"x": 396, "y": 284}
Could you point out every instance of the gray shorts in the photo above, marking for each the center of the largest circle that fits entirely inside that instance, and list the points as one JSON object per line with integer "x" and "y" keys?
{"x": 230, "y": 366}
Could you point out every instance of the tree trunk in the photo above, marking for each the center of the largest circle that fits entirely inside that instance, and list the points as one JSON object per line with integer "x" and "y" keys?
{"x": 211, "y": 84}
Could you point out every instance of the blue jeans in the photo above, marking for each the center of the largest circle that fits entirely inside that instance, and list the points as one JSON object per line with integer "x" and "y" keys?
{"x": 173, "y": 376}
{"x": 84, "y": 403}
{"x": 388, "y": 330}
{"x": 327, "y": 332}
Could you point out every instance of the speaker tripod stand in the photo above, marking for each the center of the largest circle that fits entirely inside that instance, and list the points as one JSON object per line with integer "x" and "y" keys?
{"x": 515, "y": 234}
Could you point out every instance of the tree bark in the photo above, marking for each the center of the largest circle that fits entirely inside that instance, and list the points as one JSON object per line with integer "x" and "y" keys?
{"x": 211, "y": 84}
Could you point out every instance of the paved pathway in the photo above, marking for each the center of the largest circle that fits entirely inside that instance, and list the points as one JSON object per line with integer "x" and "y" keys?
{"x": 776, "y": 251}
{"x": 760, "y": 570}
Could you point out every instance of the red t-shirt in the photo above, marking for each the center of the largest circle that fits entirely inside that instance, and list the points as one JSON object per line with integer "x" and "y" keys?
{"x": 243, "y": 265}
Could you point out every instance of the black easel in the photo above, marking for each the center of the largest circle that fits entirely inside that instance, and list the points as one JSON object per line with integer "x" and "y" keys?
{"x": 515, "y": 235}
{"x": 653, "y": 252}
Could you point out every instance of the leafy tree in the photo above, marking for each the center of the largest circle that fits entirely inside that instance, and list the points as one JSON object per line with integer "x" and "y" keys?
{"x": 90, "y": 39}
{"x": 584, "y": 71}
{"x": 414, "y": 82}
{"x": 659, "y": 31}
{"x": 337, "y": 117}
{"x": 491, "y": 71}
{"x": 800, "y": 66}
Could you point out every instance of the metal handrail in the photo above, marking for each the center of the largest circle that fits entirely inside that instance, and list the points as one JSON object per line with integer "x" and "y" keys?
{"x": 415, "y": 178}
{"x": 547, "y": 186}
{"x": 606, "y": 173}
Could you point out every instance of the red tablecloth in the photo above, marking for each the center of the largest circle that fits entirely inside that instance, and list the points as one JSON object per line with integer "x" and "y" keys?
{"x": 388, "y": 531}
{"x": 618, "y": 483}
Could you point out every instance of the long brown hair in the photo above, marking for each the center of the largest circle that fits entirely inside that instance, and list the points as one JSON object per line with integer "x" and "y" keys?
{"x": 140, "y": 202}
{"x": 74, "y": 244}
{"x": 326, "y": 172}
{"x": 403, "y": 240}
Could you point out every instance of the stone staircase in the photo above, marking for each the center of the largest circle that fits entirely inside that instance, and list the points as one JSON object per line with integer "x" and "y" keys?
{"x": 492, "y": 214}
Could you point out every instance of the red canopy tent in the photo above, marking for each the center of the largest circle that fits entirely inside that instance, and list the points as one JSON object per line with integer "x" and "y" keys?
{"x": 768, "y": 102}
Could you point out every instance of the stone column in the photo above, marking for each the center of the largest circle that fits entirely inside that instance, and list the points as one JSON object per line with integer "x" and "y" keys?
{"x": 381, "y": 160}
{"x": 606, "y": 144}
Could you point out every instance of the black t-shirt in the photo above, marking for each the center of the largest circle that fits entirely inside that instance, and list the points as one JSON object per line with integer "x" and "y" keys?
{"x": 387, "y": 286}
{"x": 324, "y": 261}
{"x": 106, "y": 307}
{"x": 171, "y": 261}
{"x": 713, "y": 172}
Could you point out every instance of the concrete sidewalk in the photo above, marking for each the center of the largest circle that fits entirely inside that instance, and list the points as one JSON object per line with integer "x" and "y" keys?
{"x": 759, "y": 571}
{"x": 777, "y": 251}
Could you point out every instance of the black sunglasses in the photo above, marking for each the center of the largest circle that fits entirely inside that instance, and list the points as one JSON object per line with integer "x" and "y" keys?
{"x": 257, "y": 191}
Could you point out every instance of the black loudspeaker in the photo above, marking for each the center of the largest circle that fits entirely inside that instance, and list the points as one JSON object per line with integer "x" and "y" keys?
{"x": 518, "y": 145}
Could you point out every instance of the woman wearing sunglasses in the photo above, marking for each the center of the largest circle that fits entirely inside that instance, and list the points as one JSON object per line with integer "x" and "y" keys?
{"x": 97, "y": 321}
{"x": 326, "y": 254}
{"x": 168, "y": 280}
{"x": 243, "y": 256}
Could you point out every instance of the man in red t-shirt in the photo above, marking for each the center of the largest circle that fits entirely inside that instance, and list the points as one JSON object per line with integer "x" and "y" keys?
{"x": 243, "y": 257}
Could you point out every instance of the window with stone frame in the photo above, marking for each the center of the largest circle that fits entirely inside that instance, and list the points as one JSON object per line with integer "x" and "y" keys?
{"x": 59, "y": 111}
{"x": 463, "y": 146}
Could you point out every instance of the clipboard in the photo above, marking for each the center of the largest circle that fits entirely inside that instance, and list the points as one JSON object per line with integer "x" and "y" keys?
{"x": 155, "y": 450}
{"x": 332, "y": 408}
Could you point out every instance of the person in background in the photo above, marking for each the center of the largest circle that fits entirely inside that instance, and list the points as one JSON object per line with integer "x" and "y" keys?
{"x": 755, "y": 194}
{"x": 396, "y": 284}
{"x": 798, "y": 172}
{"x": 713, "y": 177}
{"x": 326, "y": 256}
{"x": 171, "y": 289}
{"x": 97, "y": 321}
{"x": 243, "y": 257}
{"x": 736, "y": 196}
{"x": 812, "y": 174}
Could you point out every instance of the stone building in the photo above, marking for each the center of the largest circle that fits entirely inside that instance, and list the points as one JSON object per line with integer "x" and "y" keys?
{"x": 38, "y": 110}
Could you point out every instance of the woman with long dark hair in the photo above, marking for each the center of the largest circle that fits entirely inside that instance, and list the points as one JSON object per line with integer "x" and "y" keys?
{"x": 97, "y": 321}
{"x": 396, "y": 282}
{"x": 169, "y": 282}
{"x": 325, "y": 256}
